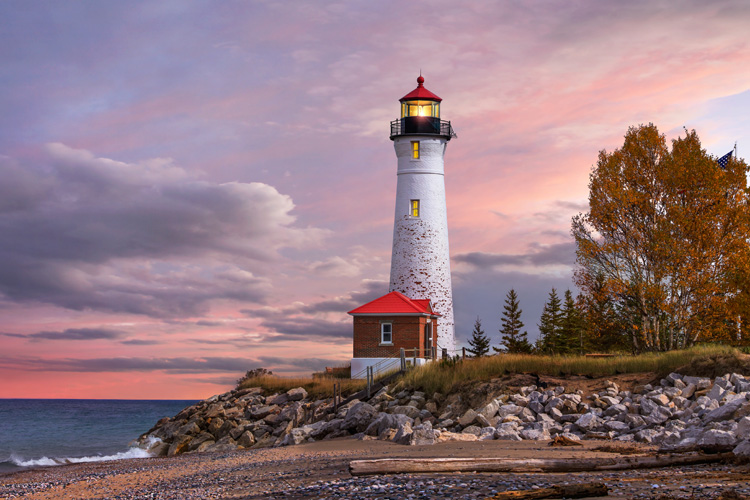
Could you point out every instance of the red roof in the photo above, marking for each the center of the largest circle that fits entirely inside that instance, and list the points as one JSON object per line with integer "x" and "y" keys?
{"x": 396, "y": 303}
{"x": 420, "y": 93}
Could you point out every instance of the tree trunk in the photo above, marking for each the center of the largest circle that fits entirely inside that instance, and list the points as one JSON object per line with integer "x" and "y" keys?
{"x": 430, "y": 465}
{"x": 562, "y": 491}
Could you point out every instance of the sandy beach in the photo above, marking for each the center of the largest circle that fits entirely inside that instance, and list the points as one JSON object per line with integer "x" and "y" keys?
{"x": 320, "y": 470}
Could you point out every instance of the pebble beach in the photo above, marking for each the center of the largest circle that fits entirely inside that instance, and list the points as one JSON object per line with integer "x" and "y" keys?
{"x": 321, "y": 470}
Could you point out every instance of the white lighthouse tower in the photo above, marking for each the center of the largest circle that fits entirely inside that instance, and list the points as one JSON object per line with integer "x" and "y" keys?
{"x": 420, "y": 262}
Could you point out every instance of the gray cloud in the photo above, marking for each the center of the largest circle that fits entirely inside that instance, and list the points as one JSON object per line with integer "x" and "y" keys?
{"x": 78, "y": 334}
{"x": 83, "y": 232}
{"x": 140, "y": 342}
{"x": 538, "y": 256}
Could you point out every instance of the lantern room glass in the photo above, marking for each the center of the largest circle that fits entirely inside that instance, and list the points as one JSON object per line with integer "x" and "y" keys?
{"x": 420, "y": 108}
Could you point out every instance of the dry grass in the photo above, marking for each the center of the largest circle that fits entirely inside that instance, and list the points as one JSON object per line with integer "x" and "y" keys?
{"x": 315, "y": 387}
{"x": 444, "y": 376}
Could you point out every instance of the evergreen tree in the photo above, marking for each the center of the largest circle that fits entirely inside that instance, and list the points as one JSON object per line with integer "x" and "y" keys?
{"x": 570, "y": 335}
{"x": 479, "y": 342}
{"x": 549, "y": 325}
{"x": 512, "y": 340}
{"x": 603, "y": 325}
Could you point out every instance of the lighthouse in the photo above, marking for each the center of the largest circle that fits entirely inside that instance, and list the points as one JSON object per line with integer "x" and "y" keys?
{"x": 415, "y": 318}
{"x": 420, "y": 260}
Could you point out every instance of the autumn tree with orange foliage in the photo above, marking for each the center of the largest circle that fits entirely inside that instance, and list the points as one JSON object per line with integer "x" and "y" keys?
{"x": 666, "y": 240}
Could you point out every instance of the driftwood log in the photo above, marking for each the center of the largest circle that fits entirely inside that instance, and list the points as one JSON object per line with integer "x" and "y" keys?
{"x": 562, "y": 491}
{"x": 429, "y": 465}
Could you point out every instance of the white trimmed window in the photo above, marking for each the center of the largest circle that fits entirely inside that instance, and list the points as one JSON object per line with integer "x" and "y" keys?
{"x": 386, "y": 333}
{"x": 414, "y": 208}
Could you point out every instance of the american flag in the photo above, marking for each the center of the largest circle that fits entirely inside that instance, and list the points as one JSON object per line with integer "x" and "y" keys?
{"x": 724, "y": 160}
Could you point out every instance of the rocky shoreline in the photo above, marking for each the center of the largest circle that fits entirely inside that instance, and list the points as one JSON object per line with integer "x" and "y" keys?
{"x": 679, "y": 413}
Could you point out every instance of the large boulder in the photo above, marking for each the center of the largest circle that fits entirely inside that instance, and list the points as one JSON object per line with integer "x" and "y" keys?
{"x": 409, "y": 411}
{"x": 359, "y": 417}
{"x": 297, "y": 394}
{"x": 724, "y": 412}
{"x": 179, "y": 445}
{"x": 716, "y": 438}
{"x": 403, "y": 434}
{"x": 386, "y": 421}
{"x": 589, "y": 422}
{"x": 260, "y": 412}
{"x": 422, "y": 434}
{"x": 467, "y": 418}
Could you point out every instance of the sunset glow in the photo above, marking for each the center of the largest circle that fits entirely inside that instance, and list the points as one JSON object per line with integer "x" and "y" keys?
{"x": 190, "y": 189}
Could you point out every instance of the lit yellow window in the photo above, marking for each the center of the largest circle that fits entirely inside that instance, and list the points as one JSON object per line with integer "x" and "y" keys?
{"x": 415, "y": 149}
{"x": 403, "y": 109}
{"x": 415, "y": 208}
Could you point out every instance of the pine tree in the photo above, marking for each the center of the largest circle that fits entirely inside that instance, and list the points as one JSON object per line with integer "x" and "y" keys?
{"x": 570, "y": 334}
{"x": 479, "y": 342}
{"x": 512, "y": 340}
{"x": 549, "y": 325}
{"x": 604, "y": 331}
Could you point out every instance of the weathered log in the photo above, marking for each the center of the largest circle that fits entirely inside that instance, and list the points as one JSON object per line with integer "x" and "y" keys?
{"x": 428, "y": 465}
{"x": 563, "y": 441}
{"x": 562, "y": 491}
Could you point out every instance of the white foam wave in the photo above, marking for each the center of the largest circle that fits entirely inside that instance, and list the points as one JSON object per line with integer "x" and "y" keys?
{"x": 46, "y": 461}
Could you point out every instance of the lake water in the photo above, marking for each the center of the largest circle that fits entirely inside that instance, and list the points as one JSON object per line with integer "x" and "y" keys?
{"x": 47, "y": 432}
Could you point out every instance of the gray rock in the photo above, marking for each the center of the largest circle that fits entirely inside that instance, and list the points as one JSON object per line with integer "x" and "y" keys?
{"x": 536, "y": 407}
{"x": 358, "y": 417}
{"x": 688, "y": 391}
{"x": 716, "y": 437}
{"x": 743, "y": 427}
{"x": 535, "y": 434}
{"x": 386, "y": 421}
{"x": 403, "y": 434}
{"x": 614, "y": 425}
{"x": 490, "y": 410}
{"x": 422, "y": 434}
{"x": 179, "y": 445}
{"x": 716, "y": 392}
{"x": 589, "y": 422}
{"x": 743, "y": 449}
{"x": 554, "y": 402}
{"x": 410, "y": 411}
{"x": 472, "y": 429}
{"x": 277, "y": 399}
{"x": 297, "y": 394}
{"x": 259, "y": 412}
{"x": 646, "y": 435}
{"x": 468, "y": 418}
{"x": 295, "y": 436}
{"x": 556, "y": 414}
{"x": 246, "y": 440}
{"x": 724, "y": 412}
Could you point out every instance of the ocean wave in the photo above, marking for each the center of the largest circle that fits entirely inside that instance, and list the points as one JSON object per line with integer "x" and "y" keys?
{"x": 46, "y": 461}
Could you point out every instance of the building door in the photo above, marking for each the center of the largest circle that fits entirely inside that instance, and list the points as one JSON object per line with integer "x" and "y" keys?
{"x": 428, "y": 340}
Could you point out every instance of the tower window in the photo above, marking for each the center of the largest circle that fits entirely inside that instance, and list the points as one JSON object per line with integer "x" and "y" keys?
{"x": 415, "y": 149}
{"x": 414, "y": 208}
{"x": 386, "y": 333}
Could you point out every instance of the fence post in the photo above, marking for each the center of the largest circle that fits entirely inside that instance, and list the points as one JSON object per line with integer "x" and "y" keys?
{"x": 414, "y": 363}
{"x": 369, "y": 381}
{"x": 463, "y": 353}
{"x": 403, "y": 359}
{"x": 335, "y": 400}
{"x": 434, "y": 353}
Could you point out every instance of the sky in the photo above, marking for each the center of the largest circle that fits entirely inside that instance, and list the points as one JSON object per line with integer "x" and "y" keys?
{"x": 192, "y": 189}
